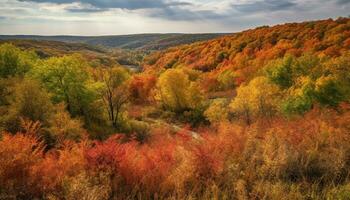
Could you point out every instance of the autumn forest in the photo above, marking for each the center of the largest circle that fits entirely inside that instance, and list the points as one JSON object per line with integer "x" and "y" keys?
{"x": 258, "y": 114}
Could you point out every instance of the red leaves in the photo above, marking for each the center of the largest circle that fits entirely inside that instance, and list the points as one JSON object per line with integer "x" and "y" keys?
{"x": 141, "y": 86}
{"x": 138, "y": 165}
{"x": 105, "y": 155}
{"x": 178, "y": 163}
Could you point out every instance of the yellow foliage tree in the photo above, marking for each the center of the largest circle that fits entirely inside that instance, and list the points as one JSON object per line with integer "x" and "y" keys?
{"x": 258, "y": 98}
{"x": 217, "y": 111}
{"x": 177, "y": 92}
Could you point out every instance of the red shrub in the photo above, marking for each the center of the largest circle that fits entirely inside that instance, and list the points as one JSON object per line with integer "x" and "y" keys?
{"x": 49, "y": 174}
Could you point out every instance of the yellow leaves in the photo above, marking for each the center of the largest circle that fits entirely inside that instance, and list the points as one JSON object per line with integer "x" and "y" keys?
{"x": 259, "y": 97}
{"x": 227, "y": 79}
{"x": 302, "y": 86}
{"x": 177, "y": 92}
{"x": 322, "y": 81}
{"x": 217, "y": 111}
{"x": 63, "y": 127}
{"x": 241, "y": 100}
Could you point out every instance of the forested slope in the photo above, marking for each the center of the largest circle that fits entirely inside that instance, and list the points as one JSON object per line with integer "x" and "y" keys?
{"x": 262, "y": 114}
{"x": 248, "y": 51}
{"x": 136, "y": 41}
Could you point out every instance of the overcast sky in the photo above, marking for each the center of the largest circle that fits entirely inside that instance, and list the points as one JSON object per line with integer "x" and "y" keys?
{"x": 115, "y": 17}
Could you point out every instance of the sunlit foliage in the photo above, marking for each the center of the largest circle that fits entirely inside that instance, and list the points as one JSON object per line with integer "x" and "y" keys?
{"x": 14, "y": 62}
{"x": 72, "y": 128}
{"x": 257, "y": 99}
{"x": 177, "y": 92}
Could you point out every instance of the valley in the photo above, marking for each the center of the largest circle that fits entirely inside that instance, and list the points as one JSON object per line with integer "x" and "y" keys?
{"x": 258, "y": 114}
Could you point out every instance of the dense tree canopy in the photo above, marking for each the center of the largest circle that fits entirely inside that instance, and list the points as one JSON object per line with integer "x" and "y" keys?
{"x": 75, "y": 127}
{"x": 13, "y": 61}
{"x": 68, "y": 79}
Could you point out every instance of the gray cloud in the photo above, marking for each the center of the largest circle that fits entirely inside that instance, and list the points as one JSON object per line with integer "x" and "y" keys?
{"x": 86, "y": 10}
{"x": 267, "y": 5}
{"x": 185, "y": 10}
{"x": 171, "y": 10}
{"x": 122, "y": 4}
{"x": 184, "y": 14}
{"x": 341, "y": 2}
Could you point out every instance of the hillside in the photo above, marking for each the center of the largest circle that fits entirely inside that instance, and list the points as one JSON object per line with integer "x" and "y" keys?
{"x": 53, "y": 48}
{"x": 137, "y": 41}
{"x": 248, "y": 51}
{"x": 260, "y": 114}
{"x": 98, "y": 55}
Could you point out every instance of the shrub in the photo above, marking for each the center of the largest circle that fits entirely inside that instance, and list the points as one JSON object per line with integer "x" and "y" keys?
{"x": 18, "y": 155}
{"x": 29, "y": 101}
{"x": 217, "y": 111}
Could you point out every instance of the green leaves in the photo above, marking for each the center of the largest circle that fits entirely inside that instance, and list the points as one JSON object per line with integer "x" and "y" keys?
{"x": 329, "y": 91}
{"x": 67, "y": 78}
{"x": 308, "y": 79}
{"x": 14, "y": 61}
{"x": 280, "y": 72}
{"x": 226, "y": 80}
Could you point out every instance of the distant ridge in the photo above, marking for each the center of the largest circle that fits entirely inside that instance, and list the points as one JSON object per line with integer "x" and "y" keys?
{"x": 136, "y": 41}
{"x": 248, "y": 51}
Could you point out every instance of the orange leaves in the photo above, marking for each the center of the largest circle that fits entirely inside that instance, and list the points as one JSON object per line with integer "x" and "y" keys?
{"x": 254, "y": 48}
{"x": 18, "y": 154}
{"x": 310, "y": 148}
{"x": 208, "y": 160}
{"x": 57, "y": 165}
{"x": 140, "y": 87}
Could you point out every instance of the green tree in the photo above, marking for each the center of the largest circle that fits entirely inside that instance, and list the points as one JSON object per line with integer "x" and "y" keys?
{"x": 339, "y": 70}
{"x": 328, "y": 91}
{"x": 114, "y": 92}
{"x": 69, "y": 81}
{"x": 13, "y": 61}
{"x": 280, "y": 72}
{"x": 300, "y": 97}
{"x": 29, "y": 101}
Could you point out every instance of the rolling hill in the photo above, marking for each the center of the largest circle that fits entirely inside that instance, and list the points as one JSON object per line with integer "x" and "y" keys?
{"x": 247, "y": 52}
{"x": 137, "y": 41}
{"x": 45, "y": 49}
{"x": 54, "y": 48}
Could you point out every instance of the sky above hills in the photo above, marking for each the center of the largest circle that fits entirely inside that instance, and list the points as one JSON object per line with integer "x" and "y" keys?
{"x": 115, "y": 17}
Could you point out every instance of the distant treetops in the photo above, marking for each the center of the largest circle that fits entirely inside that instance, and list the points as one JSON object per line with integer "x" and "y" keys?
{"x": 242, "y": 55}
{"x": 282, "y": 69}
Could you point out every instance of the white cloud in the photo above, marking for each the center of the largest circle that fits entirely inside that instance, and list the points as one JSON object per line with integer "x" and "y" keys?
{"x": 72, "y": 17}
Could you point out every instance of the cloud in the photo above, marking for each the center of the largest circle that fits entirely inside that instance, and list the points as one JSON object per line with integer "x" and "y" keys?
{"x": 265, "y": 6}
{"x": 101, "y": 17}
{"x": 186, "y": 14}
{"x": 341, "y": 2}
{"x": 83, "y": 8}
{"x": 122, "y": 4}
{"x": 172, "y": 10}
